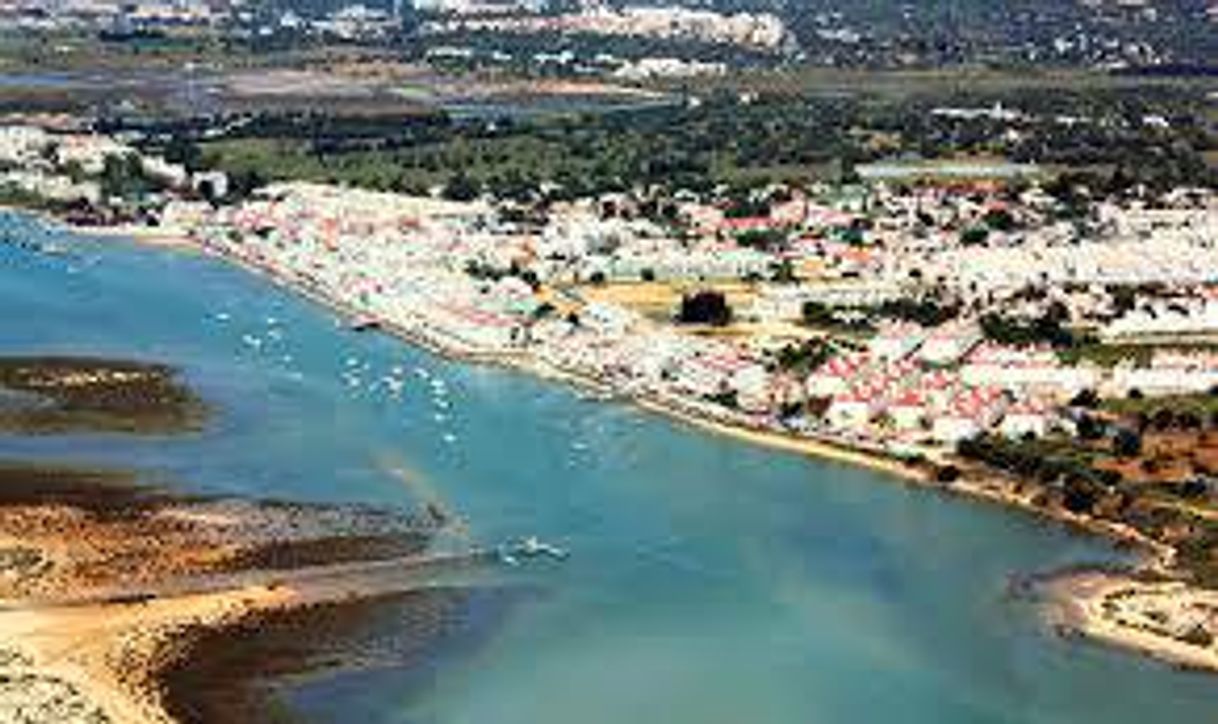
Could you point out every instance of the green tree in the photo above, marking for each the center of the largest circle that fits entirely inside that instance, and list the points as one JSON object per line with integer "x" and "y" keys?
{"x": 123, "y": 177}
{"x": 705, "y": 307}
{"x": 461, "y": 187}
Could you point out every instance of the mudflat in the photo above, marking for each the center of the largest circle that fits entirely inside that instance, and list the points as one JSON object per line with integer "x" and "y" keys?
{"x": 55, "y": 395}
{"x": 126, "y": 600}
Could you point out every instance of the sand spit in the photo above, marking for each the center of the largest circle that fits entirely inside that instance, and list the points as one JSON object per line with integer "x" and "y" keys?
{"x": 105, "y": 584}
{"x": 202, "y": 656}
{"x": 1167, "y": 620}
{"x": 104, "y": 658}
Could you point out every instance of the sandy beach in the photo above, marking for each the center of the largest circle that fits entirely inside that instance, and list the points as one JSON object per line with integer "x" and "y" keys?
{"x": 106, "y": 655}
{"x": 151, "y": 235}
{"x": 1165, "y": 620}
{"x": 790, "y": 443}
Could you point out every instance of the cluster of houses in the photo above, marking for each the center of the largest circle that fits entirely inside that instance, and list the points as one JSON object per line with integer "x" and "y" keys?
{"x": 456, "y": 276}
{"x": 143, "y": 14}
{"x": 932, "y": 386}
{"x": 54, "y": 161}
{"x": 462, "y": 277}
{"x": 671, "y": 22}
{"x": 35, "y": 161}
{"x": 1182, "y": 317}
{"x": 905, "y": 386}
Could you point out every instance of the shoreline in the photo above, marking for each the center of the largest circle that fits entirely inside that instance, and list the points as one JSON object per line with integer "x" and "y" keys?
{"x": 991, "y": 488}
{"x": 150, "y": 235}
{"x": 1154, "y": 619}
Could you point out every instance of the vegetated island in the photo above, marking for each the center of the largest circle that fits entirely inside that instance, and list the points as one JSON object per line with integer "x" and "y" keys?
{"x": 125, "y": 602}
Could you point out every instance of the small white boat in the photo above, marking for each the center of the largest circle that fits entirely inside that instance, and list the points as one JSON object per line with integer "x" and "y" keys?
{"x": 530, "y": 547}
{"x": 534, "y": 547}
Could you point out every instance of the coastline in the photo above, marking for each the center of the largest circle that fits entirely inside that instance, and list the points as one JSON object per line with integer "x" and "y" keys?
{"x": 153, "y": 236}
{"x": 788, "y": 443}
{"x": 989, "y": 488}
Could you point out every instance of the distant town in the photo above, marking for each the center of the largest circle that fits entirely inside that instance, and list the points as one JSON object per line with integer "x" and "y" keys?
{"x": 594, "y": 37}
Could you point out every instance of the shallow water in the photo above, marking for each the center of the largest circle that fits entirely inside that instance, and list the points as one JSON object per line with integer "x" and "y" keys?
{"x": 710, "y": 581}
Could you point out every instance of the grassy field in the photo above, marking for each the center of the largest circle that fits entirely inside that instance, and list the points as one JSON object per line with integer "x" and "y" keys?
{"x": 1106, "y": 355}
{"x": 283, "y": 159}
{"x": 67, "y": 52}
{"x": 416, "y": 168}
{"x": 1201, "y": 404}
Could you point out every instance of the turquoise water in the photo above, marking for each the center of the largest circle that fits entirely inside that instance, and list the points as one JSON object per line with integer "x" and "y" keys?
{"x": 710, "y": 581}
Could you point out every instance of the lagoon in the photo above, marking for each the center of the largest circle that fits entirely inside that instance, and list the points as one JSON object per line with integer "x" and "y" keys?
{"x": 710, "y": 581}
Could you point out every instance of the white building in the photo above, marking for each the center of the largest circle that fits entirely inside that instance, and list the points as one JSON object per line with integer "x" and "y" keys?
{"x": 952, "y": 427}
{"x": 850, "y": 412}
{"x": 897, "y": 341}
{"x": 1023, "y": 419}
{"x": 908, "y": 412}
{"x": 949, "y": 343}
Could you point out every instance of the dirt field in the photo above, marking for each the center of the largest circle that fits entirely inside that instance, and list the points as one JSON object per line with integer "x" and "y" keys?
{"x": 659, "y": 300}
